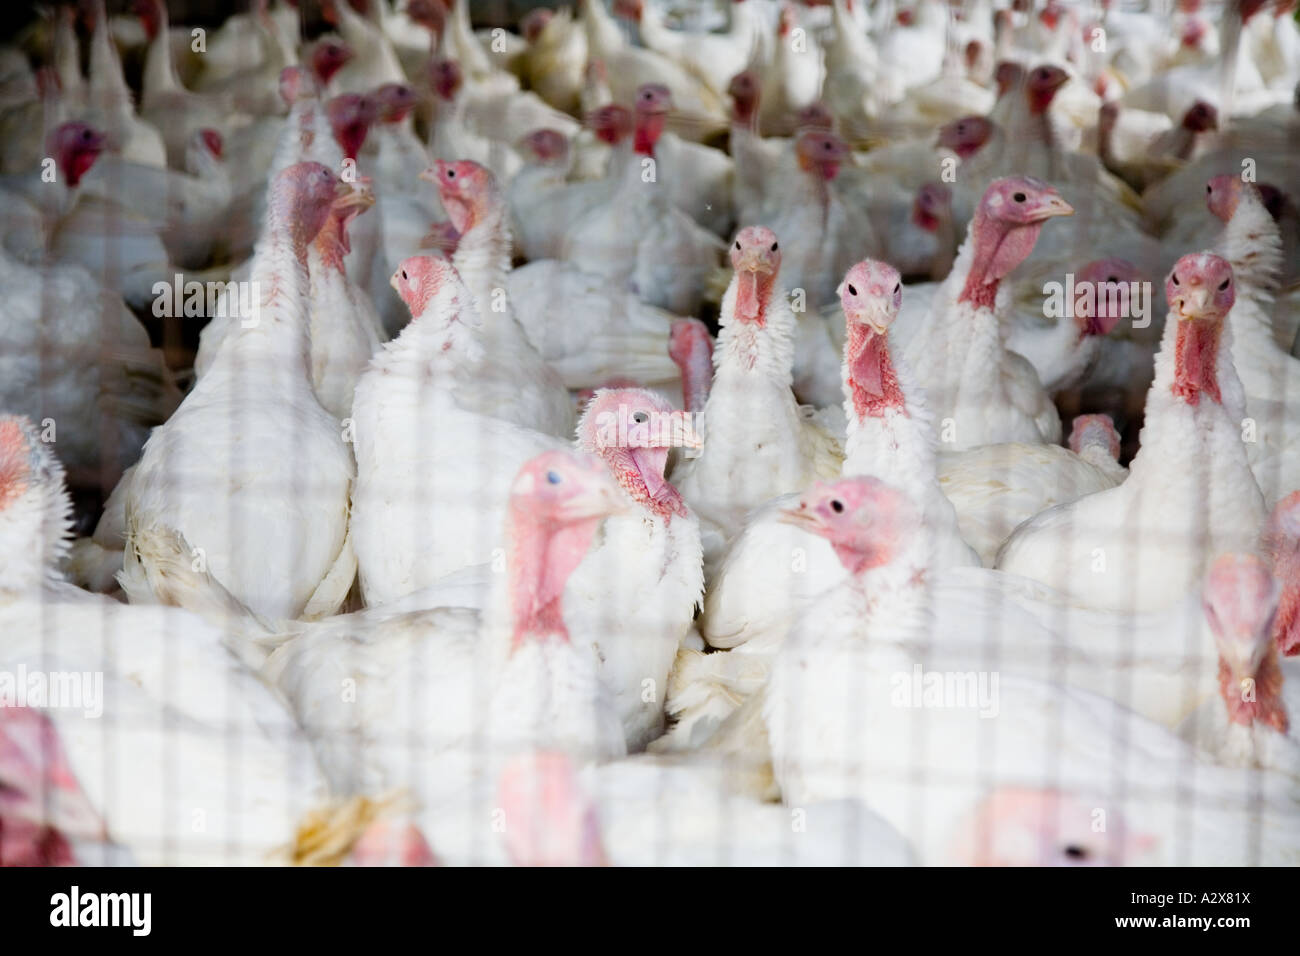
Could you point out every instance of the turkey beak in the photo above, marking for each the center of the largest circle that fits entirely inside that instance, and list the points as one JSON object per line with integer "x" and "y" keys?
{"x": 343, "y": 192}
{"x": 602, "y": 499}
{"x": 430, "y": 175}
{"x": 1192, "y": 302}
{"x": 799, "y": 516}
{"x": 1055, "y": 206}
{"x": 752, "y": 260}
{"x": 359, "y": 199}
{"x": 877, "y": 322}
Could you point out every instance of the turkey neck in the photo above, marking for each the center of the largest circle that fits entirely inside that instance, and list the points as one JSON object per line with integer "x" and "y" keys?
{"x": 889, "y": 433}
{"x": 763, "y": 343}
{"x": 542, "y": 556}
{"x": 483, "y": 260}
{"x": 279, "y": 344}
{"x": 697, "y": 376}
{"x": 159, "y": 70}
{"x": 1252, "y": 243}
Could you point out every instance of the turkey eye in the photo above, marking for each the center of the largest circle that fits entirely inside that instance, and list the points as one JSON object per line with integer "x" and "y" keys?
{"x": 1112, "y": 278}
{"x": 837, "y": 506}
{"x": 1018, "y": 197}
{"x": 1223, "y": 286}
{"x": 852, "y": 291}
{"x": 1174, "y": 279}
{"x": 898, "y": 286}
{"x": 1076, "y": 852}
{"x": 553, "y": 477}
{"x": 451, "y": 174}
{"x": 1209, "y": 189}
{"x": 737, "y": 245}
{"x": 404, "y": 271}
{"x": 773, "y": 247}
{"x": 640, "y": 417}
{"x": 961, "y": 127}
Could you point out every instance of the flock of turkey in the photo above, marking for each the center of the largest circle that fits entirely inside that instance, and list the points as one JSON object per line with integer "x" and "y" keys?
{"x": 752, "y": 433}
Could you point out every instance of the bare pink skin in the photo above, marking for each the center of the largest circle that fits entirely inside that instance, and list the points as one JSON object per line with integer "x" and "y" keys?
{"x": 534, "y": 22}
{"x": 866, "y": 521}
{"x": 629, "y": 9}
{"x": 75, "y": 146}
{"x": 556, "y": 505}
{"x": 42, "y": 806}
{"x": 15, "y": 461}
{"x": 549, "y": 821}
{"x": 1193, "y": 33}
{"x": 653, "y": 101}
{"x": 820, "y": 152}
{"x": 546, "y": 145}
{"x": 294, "y": 81}
{"x": 212, "y": 139}
{"x": 1008, "y": 76}
{"x": 388, "y": 843}
{"x": 814, "y": 116}
{"x": 1240, "y": 598}
{"x": 1020, "y": 826}
{"x": 1223, "y": 193}
{"x": 1005, "y": 227}
{"x": 418, "y": 279}
{"x": 430, "y": 14}
{"x": 151, "y": 17}
{"x": 756, "y": 257}
{"x": 632, "y": 430}
{"x": 612, "y": 124}
{"x": 467, "y": 190}
{"x": 1281, "y": 542}
{"x": 1201, "y": 117}
{"x": 1041, "y": 86}
{"x": 690, "y": 346}
{"x": 870, "y": 296}
{"x": 932, "y": 206}
{"x": 328, "y": 58}
{"x": 1200, "y": 292}
{"x": 442, "y": 237}
{"x": 1094, "y": 430}
{"x": 350, "y": 116}
{"x": 745, "y": 92}
{"x": 1096, "y": 318}
{"x": 395, "y": 102}
{"x": 332, "y": 241}
{"x": 301, "y": 199}
{"x": 446, "y": 78}
{"x": 966, "y": 136}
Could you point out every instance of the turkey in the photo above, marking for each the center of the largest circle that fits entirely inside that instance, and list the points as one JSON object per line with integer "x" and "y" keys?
{"x": 1190, "y": 494}
{"x": 772, "y": 570}
{"x": 126, "y": 765}
{"x": 216, "y": 472}
{"x": 434, "y": 464}
{"x": 656, "y": 812}
{"x": 713, "y": 57}
{"x": 478, "y": 685}
{"x": 75, "y": 359}
{"x": 638, "y": 239}
{"x": 834, "y": 735}
{"x": 477, "y": 209}
{"x": 758, "y": 443}
{"x": 1270, "y": 377}
{"x": 980, "y": 392}
{"x": 996, "y": 487}
{"x": 1249, "y": 722}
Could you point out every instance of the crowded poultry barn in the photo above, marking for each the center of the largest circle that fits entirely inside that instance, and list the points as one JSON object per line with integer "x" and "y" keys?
{"x": 680, "y": 432}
